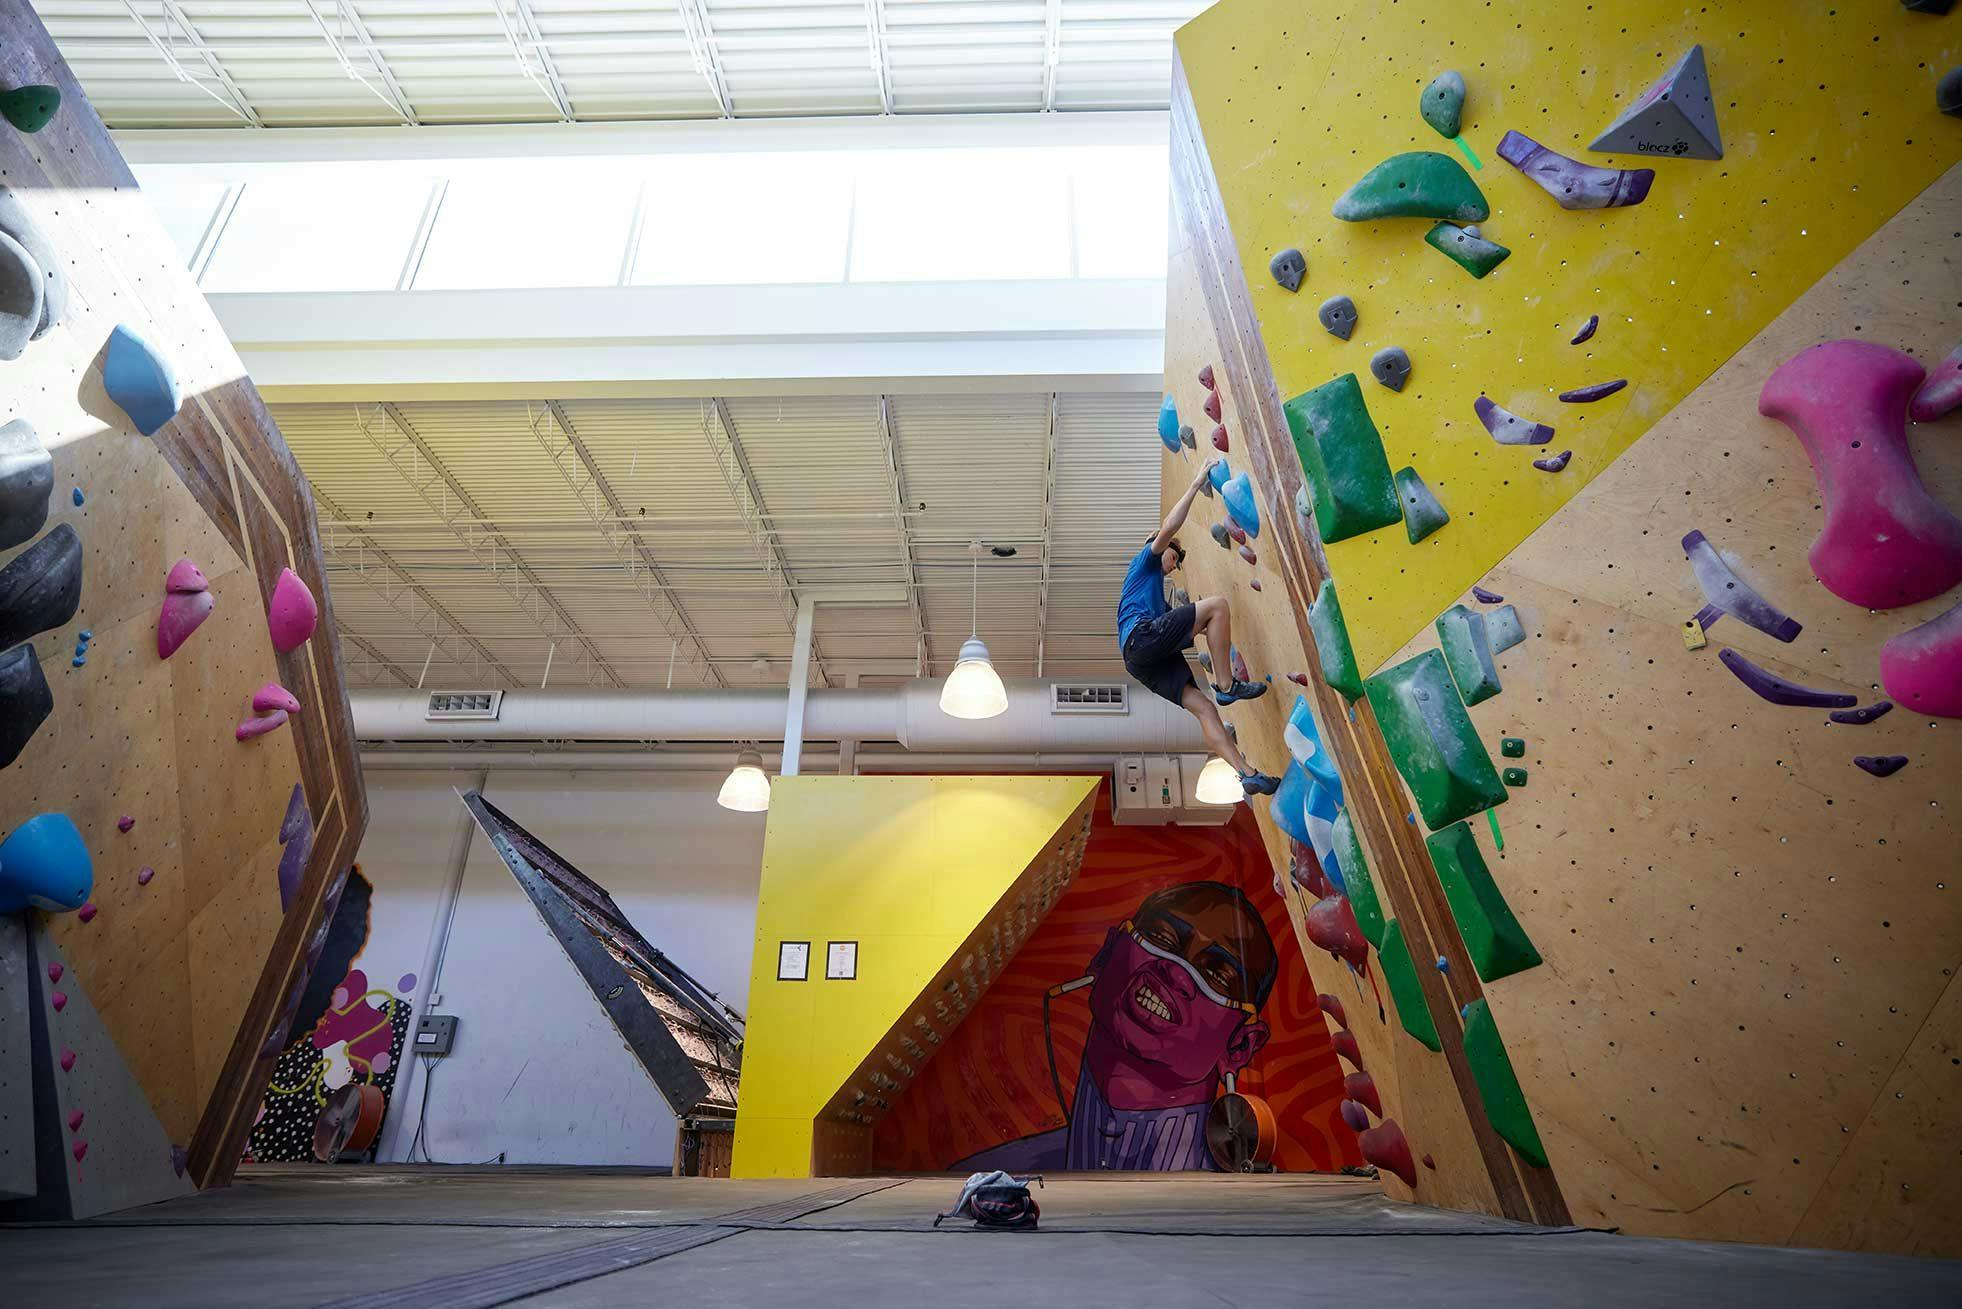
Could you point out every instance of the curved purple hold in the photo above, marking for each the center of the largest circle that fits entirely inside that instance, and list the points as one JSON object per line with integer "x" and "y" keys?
{"x": 1508, "y": 428}
{"x": 1587, "y": 395}
{"x": 1732, "y": 594}
{"x": 1355, "y": 1116}
{"x": 1587, "y": 332}
{"x": 1862, "y": 716}
{"x": 1776, "y": 689}
{"x": 1885, "y": 765}
{"x": 1553, "y": 463}
{"x": 405, "y": 984}
{"x": 1574, "y": 184}
{"x": 1941, "y": 392}
{"x": 1485, "y": 596}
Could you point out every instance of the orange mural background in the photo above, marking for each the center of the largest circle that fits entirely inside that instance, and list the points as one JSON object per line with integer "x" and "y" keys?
{"x": 989, "y": 1082}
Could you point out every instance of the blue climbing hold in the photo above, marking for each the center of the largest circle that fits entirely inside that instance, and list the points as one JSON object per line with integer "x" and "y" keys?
{"x": 1287, "y": 808}
{"x": 1220, "y": 475}
{"x": 1238, "y": 493}
{"x": 1168, "y": 424}
{"x": 44, "y": 863}
{"x": 1443, "y": 964}
{"x": 78, "y": 497}
{"x": 139, "y": 380}
{"x": 86, "y": 634}
{"x": 1304, "y": 742}
{"x": 78, "y": 661}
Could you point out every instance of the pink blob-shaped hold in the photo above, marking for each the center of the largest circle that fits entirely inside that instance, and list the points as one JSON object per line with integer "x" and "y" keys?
{"x": 1361, "y": 1088}
{"x": 293, "y": 612}
{"x": 1332, "y": 927}
{"x": 1886, "y": 541}
{"x": 67, "y": 1058}
{"x": 1386, "y": 1146}
{"x": 1332, "y": 1006}
{"x": 75, "y": 1121}
{"x": 380, "y": 1064}
{"x": 273, "y": 696}
{"x": 1922, "y": 667}
{"x": 259, "y": 726}
{"x": 124, "y": 823}
{"x": 1345, "y": 1045}
{"x": 87, "y": 912}
{"x": 80, "y": 1150}
{"x": 59, "y": 999}
{"x": 1355, "y": 1116}
{"x": 144, "y": 874}
{"x": 55, "y": 971}
{"x": 1942, "y": 391}
{"x": 186, "y": 578}
{"x": 183, "y": 613}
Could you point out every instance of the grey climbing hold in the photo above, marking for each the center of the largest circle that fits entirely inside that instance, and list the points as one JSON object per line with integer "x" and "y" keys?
{"x": 1948, "y": 92}
{"x": 1503, "y": 628}
{"x": 1553, "y": 463}
{"x": 1187, "y": 438}
{"x": 140, "y": 380}
{"x": 1390, "y": 366}
{"x": 1338, "y": 315}
{"x": 1443, "y": 105}
{"x": 15, "y": 222}
{"x": 1676, "y": 116}
{"x": 25, "y": 701}
{"x": 1289, "y": 267}
{"x": 1220, "y": 538}
{"x": 21, "y": 292}
{"x": 41, "y": 587}
{"x": 26, "y": 484}
{"x": 1508, "y": 428}
{"x": 1422, "y": 514}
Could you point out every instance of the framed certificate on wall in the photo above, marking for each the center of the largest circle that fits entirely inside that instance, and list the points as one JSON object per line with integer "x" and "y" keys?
{"x": 841, "y": 961}
{"x": 793, "y": 961}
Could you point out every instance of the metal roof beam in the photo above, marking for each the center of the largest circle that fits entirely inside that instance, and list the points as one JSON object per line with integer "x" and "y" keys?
{"x": 390, "y": 91}
{"x": 909, "y": 567}
{"x": 526, "y": 47}
{"x": 1048, "y": 516}
{"x": 1052, "y": 51}
{"x": 875, "y": 37}
{"x": 232, "y": 98}
{"x": 701, "y": 50}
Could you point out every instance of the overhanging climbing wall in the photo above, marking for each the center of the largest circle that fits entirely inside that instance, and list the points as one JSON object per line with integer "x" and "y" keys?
{"x": 1705, "y": 987}
{"x": 208, "y": 881}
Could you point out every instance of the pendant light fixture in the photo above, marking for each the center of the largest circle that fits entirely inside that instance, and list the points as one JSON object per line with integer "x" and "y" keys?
{"x": 1218, "y": 783}
{"x": 747, "y": 788}
{"x": 974, "y": 689}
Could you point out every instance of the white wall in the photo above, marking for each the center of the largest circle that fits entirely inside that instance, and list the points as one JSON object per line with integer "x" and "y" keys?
{"x": 539, "y": 1074}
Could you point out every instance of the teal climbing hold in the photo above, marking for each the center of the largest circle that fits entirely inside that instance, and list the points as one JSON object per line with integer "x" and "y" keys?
{"x": 1498, "y": 1085}
{"x": 1497, "y": 944}
{"x": 1468, "y": 653}
{"x": 1515, "y": 777}
{"x": 1400, "y": 975}
{"x": 1443, "y": 104}
{"x": 1237, "y": 494}
{"x": 1432, "y": 741}
{"x": 1421, "y": 184}
{"x": 1332, "y": 647}
{"x": 1168, "y": 424}
{"x": 1357, "y": 881}
{"x": 45, "y": 863}
{"x": 1342, "y": 457}
{"x": 1512, "y": 747}
{"x": 1505, "y": 629}
{"x": 30, "y": 107}
{"x": 140, "y": 380}
{"x": 1422, "y": 513}
{"x": 1466, "y": 248}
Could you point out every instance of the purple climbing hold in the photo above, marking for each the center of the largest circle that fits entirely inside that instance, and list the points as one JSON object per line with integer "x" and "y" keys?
{"x": 79, "y": 1149}
{"x": 186, "y": 577}
{"x": 1508, "y": 428}
{"x": 55, "y": 970}
{"x": 87, "y": 912}
{"x": 182, "y": 614}
{"x": 1355, "y": 1115}
{"x": 67, "y": 1058}
{"x": 1779, "y": 691}
{"x": 1723, "y": 588}
{"x": 1553, "y": 463}
{"x": 180, "y": 1159}
{"x": 1707, "y": 616}
{"x": 1941, "y": 392}
{"x": 144, "y": 874}
{"x": 124, "y": 823}
{"x": 1486, "y": 597}
{"x": 75, "y": 1120}
{"x": 273, "y": 696}
{"x": 1587, "y": 395}
{"x": 1862, "y": 716}
{"x": 293, "y": 612}
{"x": 259, "y": 726}
{"x": 59, "y": 1000}
{"x": 1573, "y": 184}
{"x": 1587, "y": 330}
{"x": 1885, "y": 765}
{"x": 405, "y": 984}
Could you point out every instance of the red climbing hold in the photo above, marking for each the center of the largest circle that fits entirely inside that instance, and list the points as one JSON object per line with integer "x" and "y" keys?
{"x": 1331, "y": 1006}
{"x": 1219, "y": 439}
{"x": 124, "y": 823}
{"x": 1254, "y": 582}
{"x": 1212, "y": 405}
{"x": 1430, "y": 1163}
{"x": 80, "y": 1148}
{"x": 75, "y": 1121}
{"x": 1206, "y": 377}
{"x": 1306, "y": 869}
{"x": 1344, "y": 1042}
{"x": 87, "y": 912}
{"x": 1386, "y": 1146}
{"x": 1239, "y": 534}
{"x": 1361, "y": 1088}
{"x": 1299, "y": 679}
{"x": 1332, "y": 927}
{"x": 59, "y": 1000}
{"x": 67, "y": 1059}
{"x": 1246, "y": 553}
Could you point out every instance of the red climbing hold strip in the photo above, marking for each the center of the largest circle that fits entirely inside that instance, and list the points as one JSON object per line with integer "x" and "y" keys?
{"x": 1885, "y": 765}
{"x": 1776, "y": 689}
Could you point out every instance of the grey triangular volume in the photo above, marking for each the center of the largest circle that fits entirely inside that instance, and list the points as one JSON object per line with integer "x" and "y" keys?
{"x": 1676, "y": 118}
{"x": 127, "y": 1159}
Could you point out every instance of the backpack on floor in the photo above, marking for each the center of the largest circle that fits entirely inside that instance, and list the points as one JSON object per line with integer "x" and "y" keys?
{"x": 996, "y": 1200}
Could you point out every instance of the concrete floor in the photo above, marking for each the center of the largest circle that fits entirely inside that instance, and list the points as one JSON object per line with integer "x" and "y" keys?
{"x": 306, "y": 1236}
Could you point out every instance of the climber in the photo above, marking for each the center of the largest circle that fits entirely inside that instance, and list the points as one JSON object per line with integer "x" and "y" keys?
{"x": 1153, "y": 637}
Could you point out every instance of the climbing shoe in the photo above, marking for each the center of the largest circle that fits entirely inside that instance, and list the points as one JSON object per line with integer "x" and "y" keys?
{"x": 1259, "y": 783}
{"x": 1239, "y": 691}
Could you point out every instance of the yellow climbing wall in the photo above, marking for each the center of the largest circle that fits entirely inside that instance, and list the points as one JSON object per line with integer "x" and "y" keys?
{"x": 1828, "y": 129}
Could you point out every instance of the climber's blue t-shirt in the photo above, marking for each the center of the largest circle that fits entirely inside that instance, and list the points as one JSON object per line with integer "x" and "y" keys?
{"x": 1143, "y": 595}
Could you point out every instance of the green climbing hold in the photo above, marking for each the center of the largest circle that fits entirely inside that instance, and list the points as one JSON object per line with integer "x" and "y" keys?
{"x": 1421, "y": 184}
{"x": 1512, "y": 747}
{"x": 1357, "y": 882}
{"x": 1497, "y": 944}
{"x": 1342, "y": 456}
{"x": 1331, "y": 635}
{"x": 1498, "y": 1085}
{"x": 29, "y": 107}
{"x": 1466, "y": 248}
{"x": 1422, "y": 512}
{"x": 1515, "y": 777}
{"x": 1432, "y": 741}
{"x": 1468, "y": 653}
{"x": 1443, "y": 105}
{"x": 1400, "y": 974}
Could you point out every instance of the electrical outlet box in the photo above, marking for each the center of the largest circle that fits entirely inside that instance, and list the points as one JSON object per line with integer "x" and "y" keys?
{"x": 435, "y": 1034}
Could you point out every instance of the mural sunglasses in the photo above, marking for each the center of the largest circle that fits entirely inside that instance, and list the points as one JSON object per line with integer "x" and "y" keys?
{"x": 1206, "y": 988}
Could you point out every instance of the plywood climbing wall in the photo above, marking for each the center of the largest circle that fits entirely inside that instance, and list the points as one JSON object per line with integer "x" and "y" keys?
{"x": 190, "y": 967}
{"x": 1744, "y": 1024}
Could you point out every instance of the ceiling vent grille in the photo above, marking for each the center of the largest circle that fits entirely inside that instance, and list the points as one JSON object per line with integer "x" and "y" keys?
{"x": 450, "y": 705}
{"x": 1089, "y": 698}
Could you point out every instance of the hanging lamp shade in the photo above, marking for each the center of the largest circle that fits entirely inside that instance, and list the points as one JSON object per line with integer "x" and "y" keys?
{"x": 747, "y": 788}
{"x": 1218, "y": 783}
{"x": 973, "y": 689}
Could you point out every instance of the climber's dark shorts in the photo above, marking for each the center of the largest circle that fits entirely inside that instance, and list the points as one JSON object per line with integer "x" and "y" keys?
{"x": 1154, "y": 653}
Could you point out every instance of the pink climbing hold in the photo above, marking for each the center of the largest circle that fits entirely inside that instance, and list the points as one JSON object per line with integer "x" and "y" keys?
{"x": 1886, "y": 542}
{"x": 1344, "y": 1042}
{"x": 259, "y": 726}
{"x": 67, "y": 1058}
{"x": 75, "y": 1121}
{"x": 1254, "y": 582}
{"x": 186, "y": 578}
{"x": 1386, "y": 1146}
{"x": 124, "y": 823}
{"x": 55, "y": 971}
{"x": 1246, "y": 553}
{"x": 59, "y": 999}
{"x": 1361, "y": 1088}
{"x": 87, "y": 912}
{"x": 1331, "y": 1006}
{"x": 273, "y": 696}
{"x": 1239, "y": 535}
{"x": 293, "y": 612}
{"x": 144, "y": 874}
{"x": 1299, "y": 679}
{"x": 80, "y": 1149}
{"x": 1922, "y": 667}
{"x": 1355, "y": 1116}
{"x": 183, "y": 613}
{"x": 1430, "y": 1163}
{"x": 1942, "y": 391}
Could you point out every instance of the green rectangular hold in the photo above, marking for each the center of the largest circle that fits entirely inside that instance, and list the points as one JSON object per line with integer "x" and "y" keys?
{"x": 1342, "y": 456}
{"x": 1468, "y": 653}
{"x": 1498, "y": 1085}
{"x": 1512, "y": 747}
{"x": 1432, "y": 741}
{"x": 1497, "y": 944}
{"x": 1400, "y": 975}
{"x": 1514, "y": 777}
{"x": 1357, "y": 882}
{"x": 1332, "y": 646}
